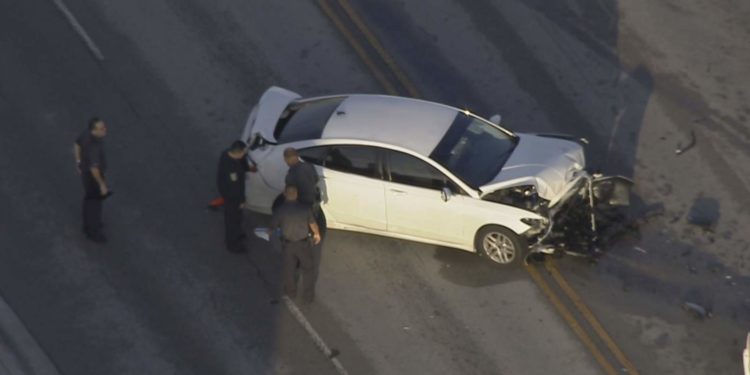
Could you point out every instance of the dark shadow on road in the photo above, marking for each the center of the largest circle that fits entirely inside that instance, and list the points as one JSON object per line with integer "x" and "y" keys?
{"x": 468, "y": 269}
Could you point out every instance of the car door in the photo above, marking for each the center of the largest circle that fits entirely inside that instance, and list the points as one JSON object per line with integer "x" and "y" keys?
{"x": 352, "y": 186}
{"x": 414, "y": 203}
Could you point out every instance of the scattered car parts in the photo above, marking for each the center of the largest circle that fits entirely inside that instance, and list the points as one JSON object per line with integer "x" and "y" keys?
{"x": 680, "y": 149}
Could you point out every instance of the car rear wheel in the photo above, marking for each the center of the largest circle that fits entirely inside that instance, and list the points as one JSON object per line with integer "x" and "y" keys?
{"x": 500, "y": 245}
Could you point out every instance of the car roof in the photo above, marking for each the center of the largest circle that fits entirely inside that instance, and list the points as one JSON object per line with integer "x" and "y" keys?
{"x": 413, "y": 124}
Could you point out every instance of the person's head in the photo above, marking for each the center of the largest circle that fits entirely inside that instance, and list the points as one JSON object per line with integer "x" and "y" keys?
{"x": 290, "y": 193}
{"x": 291, "y": 156}
{"x": 97, "y": 127}
{"x": 237, "y": 150}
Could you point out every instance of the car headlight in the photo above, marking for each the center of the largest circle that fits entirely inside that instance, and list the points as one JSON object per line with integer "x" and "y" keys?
{"x": 534, "y": 223}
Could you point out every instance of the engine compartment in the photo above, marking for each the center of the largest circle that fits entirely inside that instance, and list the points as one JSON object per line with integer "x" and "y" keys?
{"x": 577, "y": 226}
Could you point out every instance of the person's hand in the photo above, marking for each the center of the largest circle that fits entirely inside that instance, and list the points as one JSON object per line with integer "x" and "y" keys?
{"x": 103, "y": 189}
{"x": 316, "y": 238}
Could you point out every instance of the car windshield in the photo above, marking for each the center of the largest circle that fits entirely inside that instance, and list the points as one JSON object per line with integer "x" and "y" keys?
{"x": 474, "y": 150}
{"x": 306, "y": 120}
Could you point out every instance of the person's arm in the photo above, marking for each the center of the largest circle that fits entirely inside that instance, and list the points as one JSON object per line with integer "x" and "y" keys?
{"x": 316, "y": 232}
{"x": 93, "y": 154}
{"x": 97, "y": 174}
{"x": 77, "y": 155}
{"x": 313, "y": 227}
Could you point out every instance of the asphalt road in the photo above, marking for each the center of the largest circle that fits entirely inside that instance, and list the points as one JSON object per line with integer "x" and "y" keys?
{"x": 176, "y": 84}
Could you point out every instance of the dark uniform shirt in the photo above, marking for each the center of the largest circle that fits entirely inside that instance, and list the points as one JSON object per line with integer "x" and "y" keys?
{"x": 304, "y": 176}
{"x": 294, "y": 219}
{"x": 92, "y": 152}
{"x": 231, "y": 177}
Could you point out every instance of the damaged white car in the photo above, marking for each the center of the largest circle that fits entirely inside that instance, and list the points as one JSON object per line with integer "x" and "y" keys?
{"x": 423, "y": 171}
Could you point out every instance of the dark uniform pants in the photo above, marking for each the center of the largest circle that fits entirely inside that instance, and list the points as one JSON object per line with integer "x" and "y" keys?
{"x": 92, "y": 205}
{"x": 299, "y": 253}
{"x": 233, "y": 225}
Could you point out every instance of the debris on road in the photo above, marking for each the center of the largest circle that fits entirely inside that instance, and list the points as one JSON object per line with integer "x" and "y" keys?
{"x": 640, "y": 249}
{"x": 697, "y": 310}
{"x": 680, "y": 149}
{"x": 704, "y": 213}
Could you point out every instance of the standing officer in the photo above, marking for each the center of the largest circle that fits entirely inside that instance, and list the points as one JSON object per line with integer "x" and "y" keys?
{"x": 305, "y": 178}
{"x": 296, "y": 221}
{"x": 92, "y": 166}
{"x": 231, "y": 182}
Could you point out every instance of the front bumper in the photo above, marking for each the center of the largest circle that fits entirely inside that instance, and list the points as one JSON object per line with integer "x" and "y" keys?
{"x": 574, "y": 222}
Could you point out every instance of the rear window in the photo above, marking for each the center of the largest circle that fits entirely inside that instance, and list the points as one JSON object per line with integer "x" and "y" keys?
{"x": 303, "y": 121}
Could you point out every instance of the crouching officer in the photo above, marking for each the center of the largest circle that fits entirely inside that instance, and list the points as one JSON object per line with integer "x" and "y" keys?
{"x": 296, "y": 221}
{"x": 231, "y": 183}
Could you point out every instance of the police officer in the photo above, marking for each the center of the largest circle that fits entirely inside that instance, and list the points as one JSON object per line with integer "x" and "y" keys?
{"x": 231, "y": 183}
{"x": 305, "y": 178}
{"x": 91, "y": 162}
{"x": 296, "y": 222}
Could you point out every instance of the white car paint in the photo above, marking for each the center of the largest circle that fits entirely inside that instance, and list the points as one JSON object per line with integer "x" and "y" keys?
{"x": 391, "y": 120}
{"x": 372, "y": 205}
{"x": 354, "y": 200}
{"x": 550, "y": 164}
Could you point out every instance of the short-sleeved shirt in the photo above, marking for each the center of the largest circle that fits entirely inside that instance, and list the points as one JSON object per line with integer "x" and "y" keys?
{"x": 230, "y": 178}
{"x": 92, "y": 152}
{"x": 305, "y": 178}
{"x": 294, "y": 219}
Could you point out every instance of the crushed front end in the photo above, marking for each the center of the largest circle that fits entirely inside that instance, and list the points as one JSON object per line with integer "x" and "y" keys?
{"x": 585, "y": 219}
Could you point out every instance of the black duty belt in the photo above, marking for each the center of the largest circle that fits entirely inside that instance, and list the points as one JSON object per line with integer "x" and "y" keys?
{"x": 286, "y": 240}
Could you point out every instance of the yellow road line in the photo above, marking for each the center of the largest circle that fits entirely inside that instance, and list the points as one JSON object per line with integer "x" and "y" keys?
{"x": 572, "y": 322}
{"x": 590, "y": 318}
{"x": 379, "y": 75}
{"x": 375, "y": 43}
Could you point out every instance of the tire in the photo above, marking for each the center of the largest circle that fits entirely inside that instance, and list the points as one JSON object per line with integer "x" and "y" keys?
{"x": 500, "y": 245}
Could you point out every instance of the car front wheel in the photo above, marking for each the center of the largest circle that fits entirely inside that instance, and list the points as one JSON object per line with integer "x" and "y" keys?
{"x": 500, "y": 245}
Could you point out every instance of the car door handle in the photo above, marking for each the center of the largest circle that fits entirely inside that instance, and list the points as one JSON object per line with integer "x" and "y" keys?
{"x": 397, "y": 191}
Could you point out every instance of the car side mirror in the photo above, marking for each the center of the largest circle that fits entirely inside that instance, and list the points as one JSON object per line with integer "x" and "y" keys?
{"x": 446, "y": 194}
{"x": 495, "y": 119}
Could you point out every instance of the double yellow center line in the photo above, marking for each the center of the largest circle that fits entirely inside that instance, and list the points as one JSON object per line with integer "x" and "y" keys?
{"x": 368, "y": 48}
{"x": 395, "y": 82}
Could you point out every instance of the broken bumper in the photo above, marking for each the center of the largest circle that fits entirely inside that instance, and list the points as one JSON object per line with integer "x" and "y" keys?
{"x": 574, "y": 223}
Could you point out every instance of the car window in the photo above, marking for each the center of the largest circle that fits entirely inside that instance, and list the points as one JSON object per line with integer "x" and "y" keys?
{"x": 359, "y": 160}
{"x": 315, "y": 155}
{"x": 409, "y": 170}
{"x": 474, "y": 150}
{"x": 306, "y": 120}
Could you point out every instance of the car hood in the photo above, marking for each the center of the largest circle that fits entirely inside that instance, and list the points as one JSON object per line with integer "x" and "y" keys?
{"x": 550, "y": 164}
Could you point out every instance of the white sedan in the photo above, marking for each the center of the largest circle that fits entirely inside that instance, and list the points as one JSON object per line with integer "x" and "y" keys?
{"x": 416, "y": 170}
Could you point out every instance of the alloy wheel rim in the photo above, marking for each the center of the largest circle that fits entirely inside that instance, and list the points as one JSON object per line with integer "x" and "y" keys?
{"x": 499, "y": 247}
